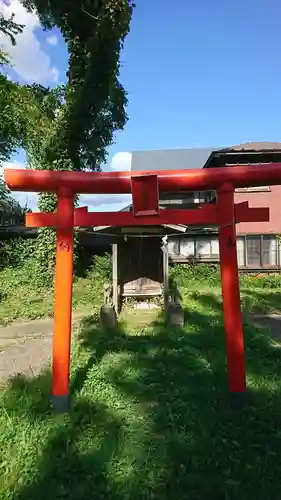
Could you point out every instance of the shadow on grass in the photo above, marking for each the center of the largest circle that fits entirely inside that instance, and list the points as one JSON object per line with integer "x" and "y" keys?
{"x": 62, "y": 468}
{"x": 151, "y": 418}
{"x": 272, "y": 324}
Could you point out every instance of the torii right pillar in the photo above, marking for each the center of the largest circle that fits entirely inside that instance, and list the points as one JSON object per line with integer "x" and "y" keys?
{"x": 231, "y": 296}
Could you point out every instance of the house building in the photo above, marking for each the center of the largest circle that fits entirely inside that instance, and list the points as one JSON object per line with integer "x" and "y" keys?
{"x": 258, "y": 245}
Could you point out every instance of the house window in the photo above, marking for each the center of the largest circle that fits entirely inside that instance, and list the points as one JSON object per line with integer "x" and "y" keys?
{"x": 241, "y": 251}
{"x": 204, "y": 196}
{"x": 254, "y": 189}
{"x": 187, "y": 247}
{"x": 176, "y": 198}
{"x": 174, "y": 246}
{"x": 207, "y": 248}
{"x": 199, "y": 196}
{"x": 269, "y": 250}
{"x": 215, "y": 251}
{"x": 253, "y": 246}
{"x": 203, "y": 248}
{"x": 210, "y": 196}
{"x": 261, "y": 251}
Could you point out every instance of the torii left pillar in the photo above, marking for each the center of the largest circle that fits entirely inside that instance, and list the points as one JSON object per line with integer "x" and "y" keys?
{"x": 63, "y": 300}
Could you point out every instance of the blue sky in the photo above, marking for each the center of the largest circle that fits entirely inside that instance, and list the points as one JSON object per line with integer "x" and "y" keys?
{"x": 204, "y": 73}
{"x": 197, "y": 73}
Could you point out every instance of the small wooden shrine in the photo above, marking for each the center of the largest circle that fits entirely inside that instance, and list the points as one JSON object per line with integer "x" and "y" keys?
{"x": 139, "y": 260}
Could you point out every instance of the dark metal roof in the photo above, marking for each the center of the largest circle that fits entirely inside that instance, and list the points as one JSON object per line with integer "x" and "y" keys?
{"x": 170, "y": 159}
{"x": 245, "y": 154}
{"x": 255, "y": 146}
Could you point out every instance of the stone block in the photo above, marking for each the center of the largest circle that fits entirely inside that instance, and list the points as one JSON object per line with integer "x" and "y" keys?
{"x": 108, "y": 318}
{"x": 175, "y": 315}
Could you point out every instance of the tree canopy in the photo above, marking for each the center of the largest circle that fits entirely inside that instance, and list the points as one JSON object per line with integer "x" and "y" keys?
{"x": 71, "y": 126}
{"x": 93, "y": 101}
{"x": 8, "y": 126}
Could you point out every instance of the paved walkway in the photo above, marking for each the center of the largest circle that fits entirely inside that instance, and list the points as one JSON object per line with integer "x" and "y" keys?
{"x": 25, "y": 348}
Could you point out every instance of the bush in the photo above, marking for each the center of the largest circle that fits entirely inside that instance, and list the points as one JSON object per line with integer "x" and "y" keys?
{"x": 15, "y": 251}
{"x": 101, "y": 268}
{"x": 260, "y": 281}
{"x": 185, "y": 274}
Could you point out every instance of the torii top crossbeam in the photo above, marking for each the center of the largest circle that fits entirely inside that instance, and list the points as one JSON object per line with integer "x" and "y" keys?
{"x": 120, "y": 182}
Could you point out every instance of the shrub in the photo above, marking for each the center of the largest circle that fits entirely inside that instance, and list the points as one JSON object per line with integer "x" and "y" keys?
{"x": 187, "y": 275}
{"x": 260, "y": 281}
{"x": 101, "y": 268}
{"x": 15, "y": 251}
{"x": 184, "y": 274}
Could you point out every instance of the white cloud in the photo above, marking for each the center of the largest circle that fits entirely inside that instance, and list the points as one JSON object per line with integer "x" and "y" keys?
{"x": 52, "y": 40}
{"x": 105, "y": 202}
{"x": 29, "y": 199}
{"x": 28, "y": 58}
{"x": 55, "y": 74}
{"x": 121, "y": 162}
{"x": 10, "y": 164}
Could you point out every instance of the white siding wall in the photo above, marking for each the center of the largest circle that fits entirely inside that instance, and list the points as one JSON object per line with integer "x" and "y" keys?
{"x": 187, "y": 248}
{"x": 203, "y": 248}
{"x": 173, "y": 246}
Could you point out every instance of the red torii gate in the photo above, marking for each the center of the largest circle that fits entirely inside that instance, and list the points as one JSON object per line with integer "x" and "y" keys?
{"x": 145, "y": 187}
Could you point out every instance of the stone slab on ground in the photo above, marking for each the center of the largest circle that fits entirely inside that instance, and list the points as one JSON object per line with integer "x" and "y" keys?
{"x": 272, "y": 322}
{"x": 26, "y": 357}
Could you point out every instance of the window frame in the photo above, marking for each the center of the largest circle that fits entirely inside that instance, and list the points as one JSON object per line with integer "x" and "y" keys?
{"x": 261, "y": 238}
{"x": 254, "y": 189}
{"x": 248, "y": 238}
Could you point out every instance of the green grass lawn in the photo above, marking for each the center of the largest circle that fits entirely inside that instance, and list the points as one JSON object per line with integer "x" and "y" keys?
{"x": 253, "y": 300}
{"x": 150, "y": 417}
